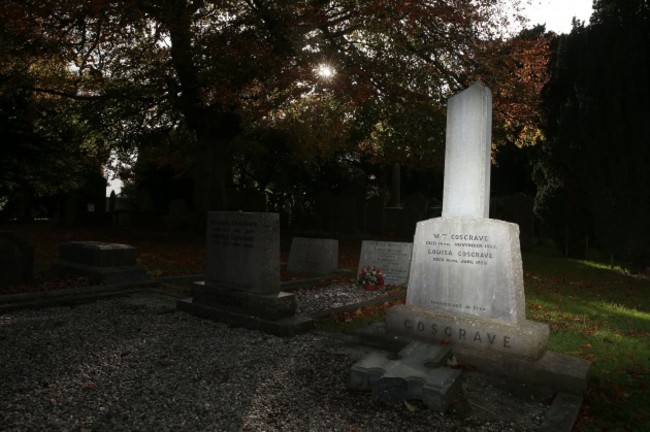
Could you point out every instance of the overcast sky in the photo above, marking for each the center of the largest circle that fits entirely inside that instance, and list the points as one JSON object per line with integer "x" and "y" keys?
{"x": 557, "y": 14}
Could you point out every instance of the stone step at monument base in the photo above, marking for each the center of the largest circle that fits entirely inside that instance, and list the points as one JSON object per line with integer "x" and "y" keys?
{"x": 268, "y": 306}
{"x": 526, "y": 339}
{"x": 419, "y": 373}
{"x": 558, "y": 372}
{"x": 287, "y": 326}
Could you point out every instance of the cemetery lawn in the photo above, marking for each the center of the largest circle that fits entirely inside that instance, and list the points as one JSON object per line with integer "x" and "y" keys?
{"x": 602, "y": 314}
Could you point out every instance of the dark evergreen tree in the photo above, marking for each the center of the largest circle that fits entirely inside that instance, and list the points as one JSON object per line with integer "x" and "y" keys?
{"x": 592, "y": 171}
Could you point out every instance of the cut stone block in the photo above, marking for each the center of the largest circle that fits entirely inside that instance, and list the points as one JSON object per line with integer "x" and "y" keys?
{"x": 420, "y": 373}
{"x": 242, "y": 286}
{"x": 288, "y": 326}
{"x": 560, "y": 372}
{"x": 526, "y": 339}
{"x": 107, "y": 263}
{"x": 466, "y": 190}
{"x": 270, "y": 306}
{"x": 468, "y": 266}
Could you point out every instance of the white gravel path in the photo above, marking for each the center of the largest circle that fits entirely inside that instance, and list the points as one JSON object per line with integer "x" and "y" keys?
{"x": 134, "y": 364}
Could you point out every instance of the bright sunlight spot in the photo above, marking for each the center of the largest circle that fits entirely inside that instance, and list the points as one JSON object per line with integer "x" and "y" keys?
{"x": 325, "y": 71}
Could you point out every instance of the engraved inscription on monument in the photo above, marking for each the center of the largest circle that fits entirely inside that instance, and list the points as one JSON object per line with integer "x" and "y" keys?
{"x": 467, "y": 266}
{"x": 466, "y": 249}
{"x": 393, "y": 258}
{"x": 243, "y": 251}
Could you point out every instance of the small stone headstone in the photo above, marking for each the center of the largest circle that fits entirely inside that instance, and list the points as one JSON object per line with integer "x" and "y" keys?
{"x": 313, "y": 256}
{"x": 16, "y": 260}
{"x": 393, "y": 258}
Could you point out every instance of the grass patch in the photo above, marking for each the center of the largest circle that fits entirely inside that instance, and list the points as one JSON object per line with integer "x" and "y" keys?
{"x": 602, "y": 314}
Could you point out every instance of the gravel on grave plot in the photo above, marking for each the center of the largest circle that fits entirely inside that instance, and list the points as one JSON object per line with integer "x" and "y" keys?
{"x": 312, "y": 301}
{"x": 133, "y": 363}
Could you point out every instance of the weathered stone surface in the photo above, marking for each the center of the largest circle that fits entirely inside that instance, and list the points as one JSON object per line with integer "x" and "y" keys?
{"x": 97, "y": 254}
{"x": 467, "y": 154}
{"x": 393, "y": 258}
{"x": 419, "y": 373}
{"x": 563, "y": 413}
{"x": 243, "y": 276}
{"x": 560, "y": 372}
{"x": 101, "y": 263}
{"x": 313, "y": 256}
{"x": 469, "y": 266}
{"x": 16, "y": 260}
{"x": 270, "y": 306}
{"x": 525, "y": 339}
{"x": 243, "y": 252}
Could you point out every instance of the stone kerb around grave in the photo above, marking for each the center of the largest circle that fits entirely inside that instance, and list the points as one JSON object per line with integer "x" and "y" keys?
{"x": 393, "y": 258}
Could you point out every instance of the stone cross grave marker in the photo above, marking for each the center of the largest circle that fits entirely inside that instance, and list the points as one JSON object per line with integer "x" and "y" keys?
{"x": 466, "y": 278}
{"x": 393, "y": 258}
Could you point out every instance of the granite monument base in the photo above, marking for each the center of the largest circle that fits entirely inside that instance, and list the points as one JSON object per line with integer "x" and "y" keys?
{"x": 526, "y": 339}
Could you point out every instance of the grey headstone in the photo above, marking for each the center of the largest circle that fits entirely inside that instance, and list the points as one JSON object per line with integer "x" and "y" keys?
{"x": 16, "y": 260}
{"x": 243, "y": 251}
{"x": 393, "y": 258}
{"x": 313, "y": 256}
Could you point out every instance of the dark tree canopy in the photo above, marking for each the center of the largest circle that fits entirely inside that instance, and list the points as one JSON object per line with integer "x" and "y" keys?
{"x": 593, "y": 174}
{"x": 231, "y": 89}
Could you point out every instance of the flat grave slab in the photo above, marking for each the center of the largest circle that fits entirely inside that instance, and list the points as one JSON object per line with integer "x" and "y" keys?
{"x": 100, "y": 262}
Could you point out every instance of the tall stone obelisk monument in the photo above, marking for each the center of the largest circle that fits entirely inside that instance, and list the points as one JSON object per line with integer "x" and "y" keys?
{"x": 466, "y": 280}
